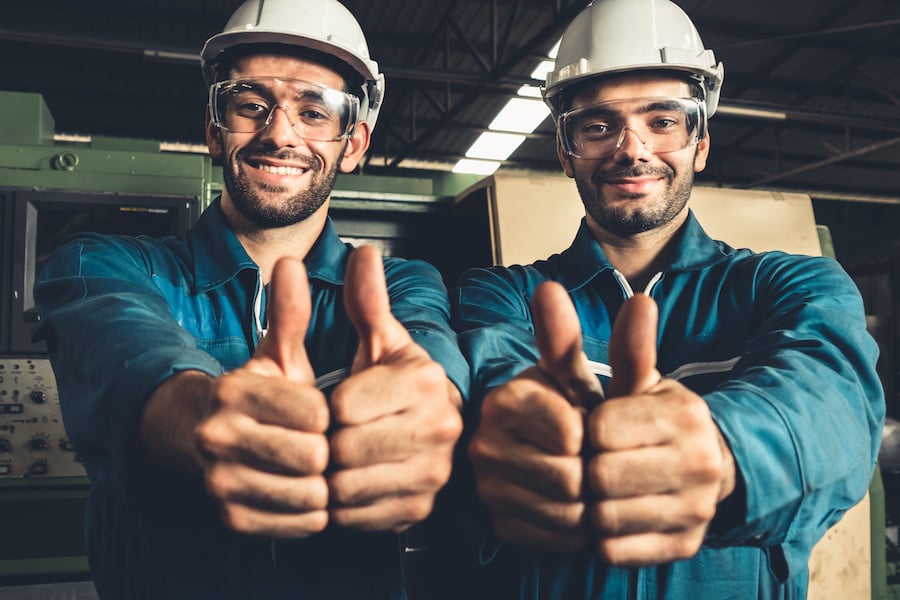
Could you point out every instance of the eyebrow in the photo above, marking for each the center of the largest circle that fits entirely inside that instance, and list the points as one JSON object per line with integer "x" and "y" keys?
{"x": 661, "y": 104}
{"x": 668, "y": 104}
{"x": 248, "y": 85}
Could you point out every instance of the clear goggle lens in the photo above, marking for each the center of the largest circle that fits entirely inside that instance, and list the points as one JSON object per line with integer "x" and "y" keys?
{"x": 661, "y": 124}
{"x": 317, "y": 113}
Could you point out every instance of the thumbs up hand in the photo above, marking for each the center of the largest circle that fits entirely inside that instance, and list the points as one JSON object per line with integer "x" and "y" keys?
{"x": 264, "y": 444}
{"x": 397, "y": 415}
{"x": 526, "y": 452}
{"x": 660, "y": 465}
{"x": 558, "y": 336}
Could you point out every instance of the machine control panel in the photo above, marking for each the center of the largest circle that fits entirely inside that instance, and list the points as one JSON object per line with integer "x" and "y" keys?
{"x": 33, "y": 441}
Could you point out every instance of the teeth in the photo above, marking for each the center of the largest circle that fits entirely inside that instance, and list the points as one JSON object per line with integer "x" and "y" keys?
{"x": 281, "y": 170}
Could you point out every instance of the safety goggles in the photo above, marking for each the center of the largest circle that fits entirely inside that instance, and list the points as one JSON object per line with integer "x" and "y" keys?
{"x": 662, "y": 125}
{"x": 316, "y": 113}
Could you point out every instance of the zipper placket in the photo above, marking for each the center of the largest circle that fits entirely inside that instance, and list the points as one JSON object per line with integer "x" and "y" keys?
{"x": 258, "y": 325}
{"x": 626, "y": 287}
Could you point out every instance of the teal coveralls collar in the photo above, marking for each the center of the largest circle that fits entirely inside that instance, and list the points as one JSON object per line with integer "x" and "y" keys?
{"x": 220, "y": 256}
{"x": 585, "y": 259}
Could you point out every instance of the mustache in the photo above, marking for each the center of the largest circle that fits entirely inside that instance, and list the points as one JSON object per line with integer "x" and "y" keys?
{"x": 622, "y": 172}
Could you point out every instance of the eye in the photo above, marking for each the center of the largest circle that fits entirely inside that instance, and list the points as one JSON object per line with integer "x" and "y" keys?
{"x": 251, "y": 109}
{"x": 665, "y": 123}
{"x": 593, "y": 128}
{"x": 311, "y": 114}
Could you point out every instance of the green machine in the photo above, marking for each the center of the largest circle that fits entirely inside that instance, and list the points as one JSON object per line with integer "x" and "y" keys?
{"x": 48, "y": 189}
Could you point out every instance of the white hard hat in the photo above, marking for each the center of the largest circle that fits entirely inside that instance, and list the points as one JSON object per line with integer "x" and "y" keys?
{"x": 322, "y": 25}
{"x": 621, "y": 36}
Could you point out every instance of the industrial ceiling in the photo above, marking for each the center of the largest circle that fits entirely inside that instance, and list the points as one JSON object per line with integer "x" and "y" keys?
{"x": 811, "y": 100}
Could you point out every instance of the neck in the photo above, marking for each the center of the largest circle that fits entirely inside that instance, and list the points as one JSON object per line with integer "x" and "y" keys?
{"x": 266, "y": 245}
{"x": 638, "y": 257}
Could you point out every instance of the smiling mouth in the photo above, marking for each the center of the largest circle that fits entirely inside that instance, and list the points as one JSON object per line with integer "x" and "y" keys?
{"x": 634, "y": 186}
{"x": 279, "y": 170}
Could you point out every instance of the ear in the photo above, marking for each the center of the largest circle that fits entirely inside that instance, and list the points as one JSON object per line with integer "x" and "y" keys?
{"x": 213, "y": 137}
{"x": 564, "y": 159}
{"x": 702, "y": 153}
{"x": 356, "y": 147}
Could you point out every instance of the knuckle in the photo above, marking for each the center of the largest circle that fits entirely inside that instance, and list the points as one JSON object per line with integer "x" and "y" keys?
{"x": 597, "y": 425}
{"x": 432, "y": 375}
{"x": 568, "y": 515}
{"x": 608, "y": 552}
{"x": 448, "y": 427}
{"x": 342, "y": 448}
{"x": 340, "y": 408}
{"x": 319, "y": 418}
{"x": 235, "y": 519}
{"x": 217, "y": 483}
{"x": 420, "y": 508}
{"x": 439, "y": 473}
{"x": 701, "y": 511}
{"x": 571, "y": 479}
{"x": 338, "y": 491}
{"x": 318, "y": 456}
{"x": 693, "y": 412}
{"x": 318, "y": 495}
{"x": 480, "y": 450}
{"x": 491, "y": 407}
{"x": 209, "y": 435}
{"x": 600, "y": 477}
{"x": 708, "y": 464}
{"x": 605, "y": 518}
{"x": 684, "y": 546}
{"x": 227, "y": 390}
{"x": 318, "y": 521}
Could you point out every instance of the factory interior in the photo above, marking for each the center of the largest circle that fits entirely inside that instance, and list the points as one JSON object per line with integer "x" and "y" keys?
{"x": 102, "y": 107}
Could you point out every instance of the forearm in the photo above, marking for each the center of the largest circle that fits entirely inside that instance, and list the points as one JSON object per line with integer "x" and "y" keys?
{"x": 169, "y": 418}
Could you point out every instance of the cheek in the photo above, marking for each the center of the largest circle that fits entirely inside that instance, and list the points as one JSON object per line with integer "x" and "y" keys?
{"x": 230, "y": 149}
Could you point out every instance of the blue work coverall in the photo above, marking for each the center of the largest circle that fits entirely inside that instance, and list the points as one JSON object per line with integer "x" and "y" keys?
{"x": 122, "y": 314}
{"x": 777, "y": 346}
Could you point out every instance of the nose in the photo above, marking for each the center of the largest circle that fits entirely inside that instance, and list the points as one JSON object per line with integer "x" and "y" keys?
{"x": 279, "y": 130}
{"x": 631, "y": 145}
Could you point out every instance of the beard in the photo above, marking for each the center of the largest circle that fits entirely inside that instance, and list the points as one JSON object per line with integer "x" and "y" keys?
{"x": 641, "y": 215}
{"x": 286, "y": 212}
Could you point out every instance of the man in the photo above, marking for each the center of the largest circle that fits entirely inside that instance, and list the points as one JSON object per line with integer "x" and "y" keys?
{"x": 743, "y": 412}
{"x": 255, "y": 426}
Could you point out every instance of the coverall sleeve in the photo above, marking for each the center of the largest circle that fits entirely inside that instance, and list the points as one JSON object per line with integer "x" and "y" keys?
{"x": 419, "y": 301}
{"x": 112, "y": 340}
{"x": 492, "y": 313}
{"x": 803, "y": 408}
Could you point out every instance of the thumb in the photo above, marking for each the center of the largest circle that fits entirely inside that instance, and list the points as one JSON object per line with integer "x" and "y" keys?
{"x": 632, "y": 347}
{"x": 369, "y": 308}
{"x": 288, "y": 313}
{"x": 558, "y": 335}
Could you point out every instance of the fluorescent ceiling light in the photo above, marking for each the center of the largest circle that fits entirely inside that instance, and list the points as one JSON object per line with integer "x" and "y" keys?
{"x": 759, "y": 113}
{"x": 555, "y": 49}
{"x": 495, "y": 146}
{"x": 529, "y": 91}
{"x": 476, "y": 167}
{"x": 521, "y": 115}
{"x": 542, "y": 69}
